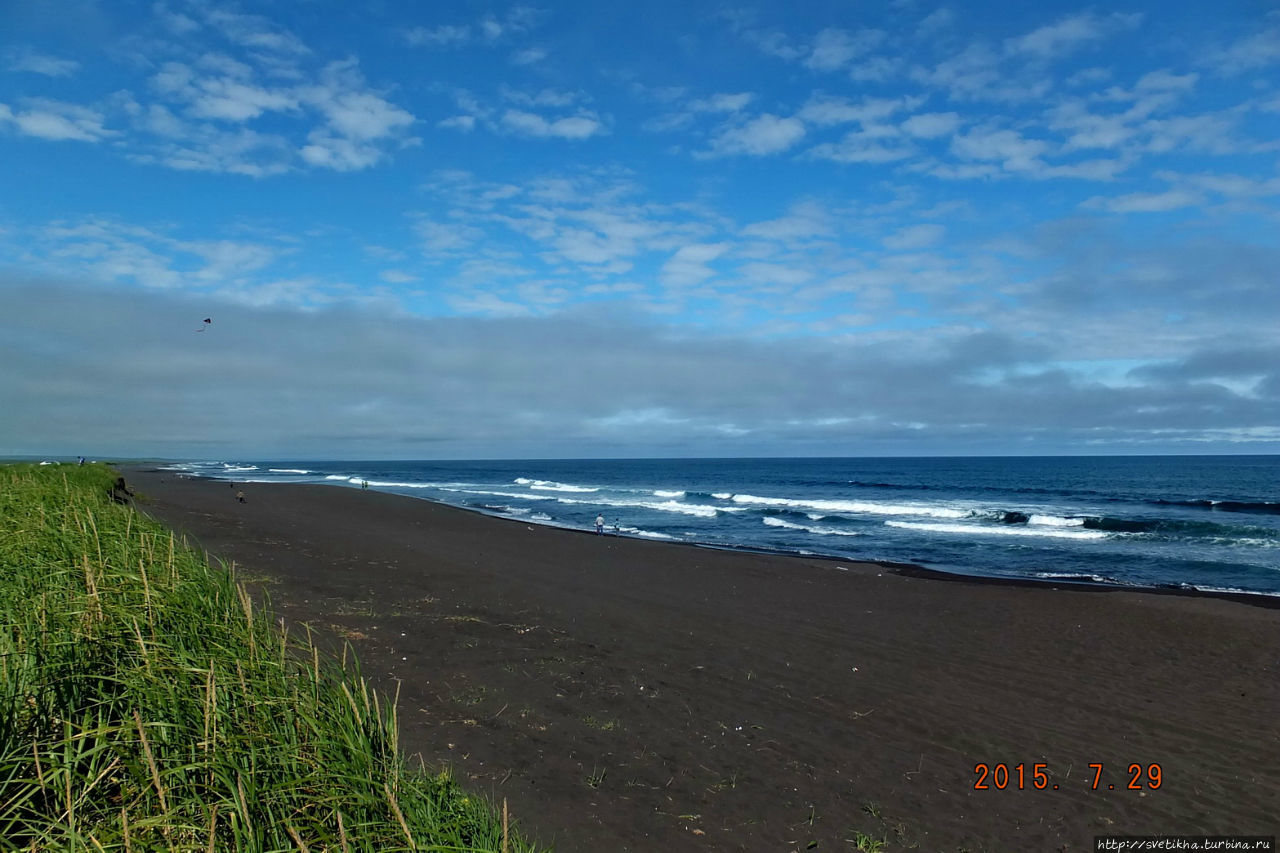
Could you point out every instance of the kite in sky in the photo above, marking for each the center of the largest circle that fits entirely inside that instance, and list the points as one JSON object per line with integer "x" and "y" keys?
{"x": 208, "y": 321}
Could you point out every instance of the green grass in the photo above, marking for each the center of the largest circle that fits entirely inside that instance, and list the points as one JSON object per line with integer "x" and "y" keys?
{"x": 147, "y": 705}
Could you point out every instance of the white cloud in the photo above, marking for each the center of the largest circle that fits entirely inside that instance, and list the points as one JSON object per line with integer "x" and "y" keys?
{"x": 443, "y": 237}
{"x": 765, "y": 134}
{"x": 1069, "y": 33}
{"x": 528, "y": 56}
{"x": 1145, "y": 202}
{"x": 931, "y": 125}
{"x": 825, "y": 109}
{"x": 444, "y": 35}
{"x": 915, "y": 237}
{"x": 833, "y": 48}
{"x": 38, "y": 63}
{"x": 1249, "y": 53}
{"x": 463, "y": 123}
{"x": 977, "y": 74}
{"x": 1231, "y": 186}
{"x": 339, "y": 153}
{"x": 935, "y": 21}
{"x": 55, "y": 121}
{"x": 352, "y": 110}
{"x": 689, "y": 265}
{"x": 581, "y": 126}
{"x": 255, "y": 32}
{"x": 1014, "y": 151}
{"x": 723, "y": 102}
{"x": 229, "y": 100}
{"x": 874, "y": 145}
{"x": 805, "y": 220}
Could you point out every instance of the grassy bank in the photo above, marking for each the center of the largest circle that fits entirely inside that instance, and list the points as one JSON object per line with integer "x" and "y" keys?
{"x": 146, "y": 705}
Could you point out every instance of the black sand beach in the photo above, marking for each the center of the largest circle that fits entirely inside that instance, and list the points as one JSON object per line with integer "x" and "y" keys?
{"x": 626, "y": 695}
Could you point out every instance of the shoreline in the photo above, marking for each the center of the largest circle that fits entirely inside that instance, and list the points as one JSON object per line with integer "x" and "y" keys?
{"x": 628, "y": 694}
{"x": 1255, "y": 599}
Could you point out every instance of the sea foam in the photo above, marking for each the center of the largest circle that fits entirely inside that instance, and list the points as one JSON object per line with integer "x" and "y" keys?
{"x": 809, "y": 528}
{"x": 1004, "y": 530}
{"x": 859, "y": 507}
{"x": 552, "y": 486}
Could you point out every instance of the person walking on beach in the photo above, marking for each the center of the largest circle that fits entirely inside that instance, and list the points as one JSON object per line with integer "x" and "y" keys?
{"x": 600, "y": 524}
{"x": 240, "y": 497}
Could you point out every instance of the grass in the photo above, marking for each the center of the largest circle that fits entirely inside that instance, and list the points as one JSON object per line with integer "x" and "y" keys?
{"x": 147, "y": 705}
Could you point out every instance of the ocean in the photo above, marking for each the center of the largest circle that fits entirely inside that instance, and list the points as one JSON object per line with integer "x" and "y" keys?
{"x": 1192, "y": 522}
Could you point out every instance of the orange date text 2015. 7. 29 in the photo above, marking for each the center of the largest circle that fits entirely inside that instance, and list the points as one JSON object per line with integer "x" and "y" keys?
{"x": 1022, "y": 776}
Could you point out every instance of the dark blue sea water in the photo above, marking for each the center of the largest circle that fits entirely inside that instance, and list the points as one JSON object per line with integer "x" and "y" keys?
{"x": 1206, "y": 522}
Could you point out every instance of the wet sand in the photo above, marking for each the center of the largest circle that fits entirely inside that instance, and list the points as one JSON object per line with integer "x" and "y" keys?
{"x": 627, "y": 695}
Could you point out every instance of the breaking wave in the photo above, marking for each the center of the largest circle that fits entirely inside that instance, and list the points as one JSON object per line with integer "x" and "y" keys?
{"x": 859, "y": 507}
{"x": 552, "y": 486}
{"x": 808, "y": 528}
{"x": 991, "y": 530}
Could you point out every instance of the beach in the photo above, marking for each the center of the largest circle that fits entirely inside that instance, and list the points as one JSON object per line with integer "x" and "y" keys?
{"x": 629, "y": 695}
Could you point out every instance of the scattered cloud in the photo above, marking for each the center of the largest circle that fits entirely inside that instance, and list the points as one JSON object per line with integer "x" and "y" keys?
{"x": 582, "y": 126}
{"x": 445, "y": 35}
{"x": 834, "y": 48}
{"x": 1070, "y": 33}
{"x": 55, "y": 121}
{"x": 39, "y": 63}
{"x": 1145, "y": 202}
{"x": 764, "y": 134}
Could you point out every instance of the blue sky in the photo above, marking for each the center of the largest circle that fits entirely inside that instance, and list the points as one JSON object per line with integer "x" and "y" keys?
{"x": 582, "y": 229}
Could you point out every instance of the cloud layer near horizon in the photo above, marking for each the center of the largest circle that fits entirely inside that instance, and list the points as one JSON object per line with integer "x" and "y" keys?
{"x": 127, "y": 372}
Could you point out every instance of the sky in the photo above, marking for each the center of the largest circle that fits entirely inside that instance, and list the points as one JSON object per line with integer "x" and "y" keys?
{"x": 579, "y": 229}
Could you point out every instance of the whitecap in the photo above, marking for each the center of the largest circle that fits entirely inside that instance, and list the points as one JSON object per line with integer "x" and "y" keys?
{"x": 862, "y": 507}
{"x": 1055, "y": 521}
{"x": 647, "y": 534}
{"x": 722, "y": 496}
{"x": 1004, "y": 530}
{"x": 809, "y": 528}
{"x": 553, "y": 486}
{"x": 288, "y": 470}
{"x": 659, "y": 493}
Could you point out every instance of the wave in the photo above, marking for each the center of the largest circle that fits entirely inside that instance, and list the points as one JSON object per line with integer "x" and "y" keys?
{"x": 288, "y": 471}
{"x": 722, "y": 496}
{"x": 991, "y": 530}
{"x": 647, "y": 534}
{"x": 516, "y": 495}
{"x": 1055, "y": 521}
{"x": 659, "y": 493}
{"x": 699, "y": 510}
{"x": 1077, "y": 576}
{"x": 808, "y": 528}
{"x": 861, "y": 507}
{"x": 553, "y": 486}
{"x": 1200, "y": 530}
{"x": 1256, "y": 507}
{"x": 914, "y": 487}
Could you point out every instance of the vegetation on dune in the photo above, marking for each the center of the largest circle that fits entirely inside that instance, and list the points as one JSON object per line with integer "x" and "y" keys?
{"x": 145, "y": 704}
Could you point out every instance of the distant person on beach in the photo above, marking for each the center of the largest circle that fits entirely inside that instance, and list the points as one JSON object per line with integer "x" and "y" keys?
{"x": 364, "y": 484}
{"x": 599, "y": 525}
{"x": 240, "y": 497}
{"x": 120, "y": 491}
{"x": 81, "y": 461}
{"x": 617, "y": 526}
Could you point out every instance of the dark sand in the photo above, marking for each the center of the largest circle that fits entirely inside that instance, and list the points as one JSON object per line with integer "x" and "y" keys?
{"x": 626, "y": 695}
